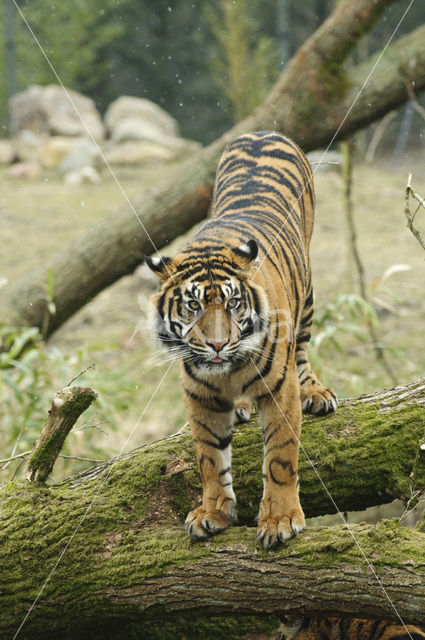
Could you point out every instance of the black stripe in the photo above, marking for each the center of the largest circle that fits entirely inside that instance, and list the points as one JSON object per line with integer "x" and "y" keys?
{"x": 205, "y": 457}
{"x": 222, "y": 443}
{"x": 285, "y": 465}
{"x": 192, "y": 375}
{"x": 223, "y": 404}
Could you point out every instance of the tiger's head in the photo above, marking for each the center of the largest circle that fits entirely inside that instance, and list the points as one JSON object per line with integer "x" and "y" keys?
{"x": 209, "y": 312}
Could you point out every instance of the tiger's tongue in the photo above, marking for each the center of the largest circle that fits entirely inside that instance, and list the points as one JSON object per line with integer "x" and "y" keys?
{"x": 217, "y": 359}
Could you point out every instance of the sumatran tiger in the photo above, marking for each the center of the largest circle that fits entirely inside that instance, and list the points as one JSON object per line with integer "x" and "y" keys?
{"x": 347, "y": 629}
{"x": 236, "y": 307}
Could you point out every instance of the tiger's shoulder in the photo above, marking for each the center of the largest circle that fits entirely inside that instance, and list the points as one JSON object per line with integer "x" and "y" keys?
{"x": 347, "y": 629}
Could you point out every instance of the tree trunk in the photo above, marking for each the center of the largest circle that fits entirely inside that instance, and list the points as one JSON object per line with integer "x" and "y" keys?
{"x": 314, "y": 100}
{"x": 103, "y": 554}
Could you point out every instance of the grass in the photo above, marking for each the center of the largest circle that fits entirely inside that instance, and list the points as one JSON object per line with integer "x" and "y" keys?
{"x": 38, "y": 217}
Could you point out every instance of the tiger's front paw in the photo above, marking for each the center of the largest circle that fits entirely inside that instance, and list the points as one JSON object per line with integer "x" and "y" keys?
{"x": 318, "y": 400}
{"x": 201, "y": 524}
{"x": 280, "y": 528}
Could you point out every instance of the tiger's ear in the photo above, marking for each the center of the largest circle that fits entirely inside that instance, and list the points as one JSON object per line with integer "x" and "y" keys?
{"x": 246, "y": 253}
{"x": 160, "y": 265}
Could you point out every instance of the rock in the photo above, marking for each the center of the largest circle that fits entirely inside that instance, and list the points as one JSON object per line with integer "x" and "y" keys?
{"x": 135, "y": 129}
{"x": 84, "y": 153}
{"x": 54, "y": 111}
{"x": 325, "y": 161}
{"x": 28, "y": 145}
{"x": 29, "y": 170}
{"x": 88, "y": 175}
{"x": 135, "y": 152}
{"x": 55, "y": 150}
{"x": 183, "y": 147}
{"x": 131, "y": 118}
{"x": 7, "y": 151}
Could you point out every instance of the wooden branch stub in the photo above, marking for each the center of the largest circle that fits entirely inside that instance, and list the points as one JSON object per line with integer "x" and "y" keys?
{"x": 411, "y": 217}
{"x": 67, "y": 406}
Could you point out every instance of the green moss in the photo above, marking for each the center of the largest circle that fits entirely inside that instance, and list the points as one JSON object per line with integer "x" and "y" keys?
{"x": 45, "y": 455}
{"x": 333, "y": 79}
{"x": 124, "y": 523}
{"x": 81, "y": 400}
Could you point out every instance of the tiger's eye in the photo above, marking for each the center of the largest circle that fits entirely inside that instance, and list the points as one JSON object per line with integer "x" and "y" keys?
{"x": 193, "y": 305}
{"x": 233, "y": 303}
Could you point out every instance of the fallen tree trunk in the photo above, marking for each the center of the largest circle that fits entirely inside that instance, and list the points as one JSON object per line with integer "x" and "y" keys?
{"x": 315, "y": 99}
{"x": 103, "y": 554}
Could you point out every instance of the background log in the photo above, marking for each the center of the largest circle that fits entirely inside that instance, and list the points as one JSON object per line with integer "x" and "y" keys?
{"x": 127, "y": 569}
{"x": 315, "y": 98}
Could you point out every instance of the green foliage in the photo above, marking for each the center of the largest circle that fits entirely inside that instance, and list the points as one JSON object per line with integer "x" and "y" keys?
{"x": 245, "y": 63}
{"x": 343, "y": 321}
{"x": 30, "y": 373}
{"x": 73, "y": 35}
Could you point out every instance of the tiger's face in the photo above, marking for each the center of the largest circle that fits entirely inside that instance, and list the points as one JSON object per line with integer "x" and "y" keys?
{"x": 209, "y": 313}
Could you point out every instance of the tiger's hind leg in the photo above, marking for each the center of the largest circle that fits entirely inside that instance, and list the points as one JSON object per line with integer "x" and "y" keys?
{"x": 315, "y": 398}
{"x": 243, "y": 406}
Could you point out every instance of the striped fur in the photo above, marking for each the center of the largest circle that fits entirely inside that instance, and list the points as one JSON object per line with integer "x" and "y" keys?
{"x": 347, "y": 629}
{"x": 236, "y": 307}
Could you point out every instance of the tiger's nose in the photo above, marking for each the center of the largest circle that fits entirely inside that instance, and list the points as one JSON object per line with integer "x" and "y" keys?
{"x": 217, "y": 345}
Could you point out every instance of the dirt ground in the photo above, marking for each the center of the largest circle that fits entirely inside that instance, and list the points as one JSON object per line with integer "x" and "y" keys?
{"x": 38, "y": 218}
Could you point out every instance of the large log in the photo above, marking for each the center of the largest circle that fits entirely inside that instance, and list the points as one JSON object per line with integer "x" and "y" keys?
{"x": 104, "y": 555}
{"x": 314, "y": 99}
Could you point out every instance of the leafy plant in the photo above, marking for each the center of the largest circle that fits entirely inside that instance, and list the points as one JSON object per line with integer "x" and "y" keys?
{"x": 30, "y": 373}
{"x": 336, "y": 324}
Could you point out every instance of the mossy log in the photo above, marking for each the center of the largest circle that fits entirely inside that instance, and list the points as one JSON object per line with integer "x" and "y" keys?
{"x": 316, "y": 99}
{"x": 104, "y": 555}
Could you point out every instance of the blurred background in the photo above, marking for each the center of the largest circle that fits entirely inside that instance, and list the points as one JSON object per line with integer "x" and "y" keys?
{"x": 204, "y": 65}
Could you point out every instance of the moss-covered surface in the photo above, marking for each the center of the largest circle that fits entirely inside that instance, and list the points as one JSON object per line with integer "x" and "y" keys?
{"x": 116, "y": 530}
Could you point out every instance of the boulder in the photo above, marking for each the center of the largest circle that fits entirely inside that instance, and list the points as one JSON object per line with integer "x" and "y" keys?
{"x": 86, "y": 175}
{"x": 136, "y": 152}
{"x": 29, "y": 170}
{"x": 131, "y": 118}
{"x": 84, "y": 153}
{"x": 7, "y": 151}
{"x": 183, "y": 147}
{"x": 322, "y": 160}
{"x": 55, "y": 111}
{"x": 55, "y": 150}
{"x": 28, "y": 145}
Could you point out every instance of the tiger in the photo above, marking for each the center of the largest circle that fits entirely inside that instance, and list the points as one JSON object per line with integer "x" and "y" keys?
{"x": 235, "y": 307}
{"x": 347, "y": 629}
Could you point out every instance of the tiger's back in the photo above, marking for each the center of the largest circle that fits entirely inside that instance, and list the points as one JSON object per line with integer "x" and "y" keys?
{"x": 348, "y": 629}
{"x": 265, "y": 181}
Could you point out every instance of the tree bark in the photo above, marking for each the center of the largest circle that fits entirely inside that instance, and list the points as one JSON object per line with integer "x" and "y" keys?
{"x": 315, "y": 99}
{"x": 103, "y": 554}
